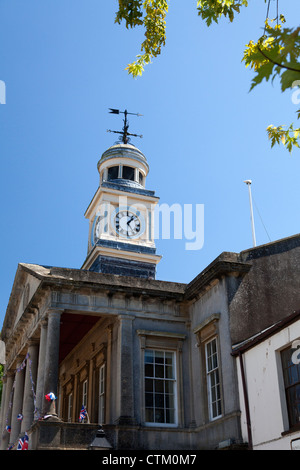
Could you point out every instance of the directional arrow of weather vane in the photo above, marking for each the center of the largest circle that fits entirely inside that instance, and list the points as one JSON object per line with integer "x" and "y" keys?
{"x": 124, "y": 133}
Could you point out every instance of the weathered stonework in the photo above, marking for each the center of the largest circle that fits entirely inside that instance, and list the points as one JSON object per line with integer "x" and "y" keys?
{"x": 108, "y": 321}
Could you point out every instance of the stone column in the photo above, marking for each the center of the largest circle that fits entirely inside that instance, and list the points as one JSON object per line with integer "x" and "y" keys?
{"x": 125, "y": 358}
{"x": 17, "y": 403}
{"x": 41, "y": 370}
{"x": 52, "y": 356}
{"x": 6, "y": 416}
{"x": 29, "y": 387}
{"x": 2, "y": 403}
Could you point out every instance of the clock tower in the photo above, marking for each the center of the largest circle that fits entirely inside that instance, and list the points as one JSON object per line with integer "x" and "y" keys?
{"x": 121, "y": 214}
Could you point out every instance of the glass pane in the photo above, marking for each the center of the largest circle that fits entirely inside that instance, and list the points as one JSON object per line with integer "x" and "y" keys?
{"x": 159, "y": 386}
{"x": 149, "y": 415}
{"x": 170, "y": 401}
{"x": 159, "y": 357}
{"x": 149, "y": 356}
{"x": 218, "y": 391}
{"x": 169, "y": 372}
{"x": 169, "y": 358}
{"x": 170, "y": 416}
{"x": 215, "y": 361}
{"x": 208, "y": 349}
{"x": 113, "y": 173}
{"x": 148, "y": 370}
{"x": 140, "y": 178}
{"x": 159, "y": 371}
{"x": 213, "y": 394}
{"x": 149, "y": 400}
{"x": 294, "y": 374}
{"x": 159, "y": 400}
{"x": 149, "y": 385}
{"x": 214, "y": 410}
{"x": 169, "y": 386}
{"x": 128, "y": 173}
{"x": 159, "y": 416}
{"x": 212, "y": 379}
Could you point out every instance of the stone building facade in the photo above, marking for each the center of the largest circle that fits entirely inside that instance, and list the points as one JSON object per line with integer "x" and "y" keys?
{"x": 149, "y": 361}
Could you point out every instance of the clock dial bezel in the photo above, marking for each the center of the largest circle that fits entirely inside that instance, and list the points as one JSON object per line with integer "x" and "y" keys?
{"x": 94, "y": 238}
{"x": 122, "y": 221}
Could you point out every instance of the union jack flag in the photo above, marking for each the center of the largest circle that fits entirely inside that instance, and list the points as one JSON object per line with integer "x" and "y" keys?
{"x": 23, "y": 442}
{"x": 82, "y": 414}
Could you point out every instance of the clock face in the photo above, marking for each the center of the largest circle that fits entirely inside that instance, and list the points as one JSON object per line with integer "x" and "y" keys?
{"x": 128, "y": 223}
{"x": 100, "y": 225}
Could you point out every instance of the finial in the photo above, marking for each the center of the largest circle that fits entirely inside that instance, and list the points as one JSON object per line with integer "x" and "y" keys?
{"x": 124, "y": 133}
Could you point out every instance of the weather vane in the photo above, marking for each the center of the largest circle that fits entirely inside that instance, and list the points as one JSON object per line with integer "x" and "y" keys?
{"x": 124, "y": 133}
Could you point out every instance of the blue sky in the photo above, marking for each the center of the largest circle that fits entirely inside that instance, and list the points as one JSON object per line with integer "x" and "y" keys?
{"x": 63, "y": 63}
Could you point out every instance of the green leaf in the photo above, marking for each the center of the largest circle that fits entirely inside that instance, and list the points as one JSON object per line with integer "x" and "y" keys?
{"x": 288, "y": 78}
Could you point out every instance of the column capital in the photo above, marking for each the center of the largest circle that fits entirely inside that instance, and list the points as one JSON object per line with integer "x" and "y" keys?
{"x": 53, "y": 311}
{"x": 125, "y": 316}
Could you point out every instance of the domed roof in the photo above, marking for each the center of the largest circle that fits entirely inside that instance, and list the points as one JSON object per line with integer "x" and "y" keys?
{"x": 121, "y": 150}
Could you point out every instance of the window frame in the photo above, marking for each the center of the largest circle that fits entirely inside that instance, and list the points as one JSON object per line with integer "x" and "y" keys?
{"x": 70, "y": 407}
{"x": 164, "y": 380}
{"x": 169, "y": 342}
{"x": 290, "y": 419}
{"x": 101, "y": 394}
{"x": 213, "y": 372}
{"x": 85, "y": 393}
{"x": 205, "y": 332}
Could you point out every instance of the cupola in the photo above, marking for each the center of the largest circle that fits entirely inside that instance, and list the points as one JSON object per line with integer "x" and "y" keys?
{"x": 123, "y": 164}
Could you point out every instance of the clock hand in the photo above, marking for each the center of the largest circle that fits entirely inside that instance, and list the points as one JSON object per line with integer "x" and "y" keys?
{"x": 130, "y": 220}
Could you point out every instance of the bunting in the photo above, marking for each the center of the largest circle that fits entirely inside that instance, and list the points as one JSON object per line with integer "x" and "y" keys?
{"x": 23, "y": 442}
{"x": 82, "y": 414}
{"x": 50, "y": 396}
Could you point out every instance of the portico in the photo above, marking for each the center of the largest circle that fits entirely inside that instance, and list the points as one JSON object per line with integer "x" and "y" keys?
{"x": 74, "y": 338}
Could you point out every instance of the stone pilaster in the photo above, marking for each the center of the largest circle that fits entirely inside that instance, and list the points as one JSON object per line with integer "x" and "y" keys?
{"x": 125, "y": 358}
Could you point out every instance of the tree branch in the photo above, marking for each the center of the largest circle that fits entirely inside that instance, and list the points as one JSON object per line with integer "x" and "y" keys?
{"x": 277, "y": 63}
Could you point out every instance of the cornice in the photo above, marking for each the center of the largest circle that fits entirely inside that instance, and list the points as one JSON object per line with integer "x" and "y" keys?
{"x": 225, "y": 264}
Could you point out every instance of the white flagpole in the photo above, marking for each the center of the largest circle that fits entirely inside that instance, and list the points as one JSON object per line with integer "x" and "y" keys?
{"x": 248, "y": 183}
